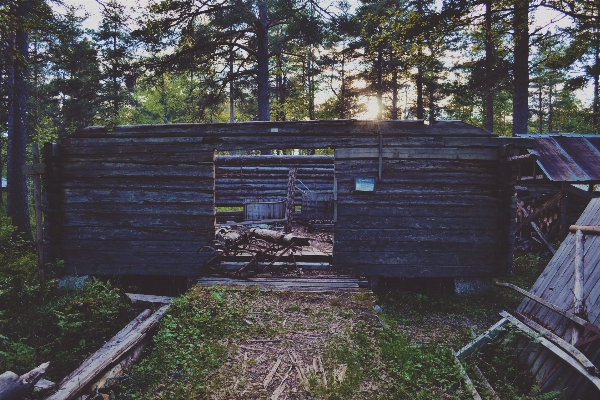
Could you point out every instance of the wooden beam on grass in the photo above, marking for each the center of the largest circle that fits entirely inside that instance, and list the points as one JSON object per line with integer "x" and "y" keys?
{"x": 482, "y": 339}
{"x": 486, "y": 384}
{"x": 560, "y": 353}
{"x": 469, "y": 383}
{"x": 563, "y": 344}
{"x": 108, "y": 355}
{"x": 148, "y": 299}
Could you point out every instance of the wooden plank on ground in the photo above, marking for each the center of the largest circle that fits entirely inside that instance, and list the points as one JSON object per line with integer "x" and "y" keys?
{"x": 108, "y": 354}
{"x": 554, "y": 349}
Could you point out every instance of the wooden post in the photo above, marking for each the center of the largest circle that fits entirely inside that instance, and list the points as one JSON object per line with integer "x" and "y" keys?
{"x": 289, "y": 207}
{"x": 579, "y": 279}
{"x": 564, "y": 228}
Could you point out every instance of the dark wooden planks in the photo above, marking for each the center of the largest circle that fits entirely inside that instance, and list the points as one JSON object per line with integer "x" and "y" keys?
{"x": 437, "y": 211}
{"x": 143, "y": 206}
{"x": 253, "y": 177}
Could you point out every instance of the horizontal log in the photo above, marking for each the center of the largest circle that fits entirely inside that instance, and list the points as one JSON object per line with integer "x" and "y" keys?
{"x": 106, "y": 256}
{"x": 102, "y": 166}
{"x": 140, "y": 208}
{"x": 587, "y": 229}
{"x": 444, "y": 166}
{"x": 137, "y": 196}
{"x": 125, "y": 220}
{"x": 151, "y": 156}
{"x": 95, "y": 267}
{"x": 347, "y": 189}
{"x": 155, "y": 233}
{"x": 309, "y": 128}
{"x": 399, "y": 244}
{"x": 393, "y": 177}
{"x": 272, "y": 160}
{"x": 128, "y": 183}
{"x": 431, "y": 223}
{"x": 415, "y": 258}
{"x": 257, "y": 184}
{"x": 137, "y": 299}
{"x": 418, "y": 271}
{"x": 135, "y": 246}
{"x": 416, "y": 210}
{"x": 418, "y": 198}
{"x": 458, "y": 153}
{"x": 415, "y": 235}
{"x": 275, "y": 170}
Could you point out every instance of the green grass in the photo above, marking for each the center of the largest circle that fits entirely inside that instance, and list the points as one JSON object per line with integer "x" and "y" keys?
{"x": 44, "y": 323}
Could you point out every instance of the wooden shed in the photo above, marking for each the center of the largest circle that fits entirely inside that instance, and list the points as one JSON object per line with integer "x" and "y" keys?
{"x": 411, "y": 199}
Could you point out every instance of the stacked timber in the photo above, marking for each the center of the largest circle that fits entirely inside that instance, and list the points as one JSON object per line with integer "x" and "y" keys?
{"x": 133, "y": 204}
{"x": 440, "y": 206}
{"x": 141, "y": 199}
{"x": 240, "y": 179}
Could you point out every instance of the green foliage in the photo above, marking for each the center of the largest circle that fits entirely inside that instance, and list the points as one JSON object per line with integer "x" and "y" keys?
{"x": 39, "y": 324}
{"x": 188, "y": 349}
{"x": 502, "y": 369}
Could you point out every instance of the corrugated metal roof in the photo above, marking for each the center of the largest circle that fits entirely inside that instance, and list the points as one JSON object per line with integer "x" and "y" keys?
{"x": 568, "y": 157}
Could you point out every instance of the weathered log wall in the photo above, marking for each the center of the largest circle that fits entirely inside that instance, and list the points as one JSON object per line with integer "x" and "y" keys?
{"x": 131, "y": 205}
{"x": 253, "y": 177}
{"x": 440, "y": 209}
{"x": 141, "y": 199}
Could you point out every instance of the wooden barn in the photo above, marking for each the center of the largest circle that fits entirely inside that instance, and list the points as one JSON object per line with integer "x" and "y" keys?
{"x": 411, "y": 199}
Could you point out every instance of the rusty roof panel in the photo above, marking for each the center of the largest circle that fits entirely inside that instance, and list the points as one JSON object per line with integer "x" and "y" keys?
{"x": 569, "y": 158}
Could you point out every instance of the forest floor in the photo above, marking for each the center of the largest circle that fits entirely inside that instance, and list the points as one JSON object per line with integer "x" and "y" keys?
{"x": 252, "y": 343}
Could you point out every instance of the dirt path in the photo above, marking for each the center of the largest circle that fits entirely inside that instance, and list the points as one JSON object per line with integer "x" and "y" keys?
{"x": 292, "y": 358}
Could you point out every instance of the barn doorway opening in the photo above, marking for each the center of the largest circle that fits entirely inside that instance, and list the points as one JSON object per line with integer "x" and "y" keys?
{"x": 273, "y": 213}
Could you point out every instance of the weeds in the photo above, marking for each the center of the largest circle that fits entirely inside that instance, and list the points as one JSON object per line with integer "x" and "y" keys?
{"x": 39, "y": 324}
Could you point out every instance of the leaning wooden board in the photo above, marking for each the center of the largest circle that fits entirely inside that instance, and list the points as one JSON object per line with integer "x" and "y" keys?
{"x": 108, "y": 355}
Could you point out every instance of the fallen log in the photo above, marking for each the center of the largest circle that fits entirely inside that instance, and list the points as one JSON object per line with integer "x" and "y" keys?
{"x": 13, "y": 386}
{"x": 108, "y": 355}
{"x": 279, "y": 237}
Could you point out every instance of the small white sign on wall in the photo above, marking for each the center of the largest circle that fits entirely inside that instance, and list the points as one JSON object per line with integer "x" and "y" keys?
{"x": 364, "y": 184}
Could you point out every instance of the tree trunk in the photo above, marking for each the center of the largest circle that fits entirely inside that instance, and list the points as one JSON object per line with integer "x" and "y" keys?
{"x": 550, "y": 108}
{"x": 262, "y": 36}
{"x": 231, "y": 94}
{"x": 420, "y": 111}
{"x": 489, "y": 68}
{"x": 17, "y": 205}
{"x": 395, "y": 93}
{"x": 379, "y": 82}
{"x": 521, "y": 67}
{"x": 431, "y": 104}
{"x": 540, "y": 108}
